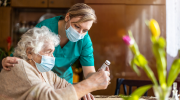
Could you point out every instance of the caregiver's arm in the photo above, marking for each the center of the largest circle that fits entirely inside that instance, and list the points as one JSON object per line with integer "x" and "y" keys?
{"x": 87, "y": 57}
{"x": 88, "y": 71}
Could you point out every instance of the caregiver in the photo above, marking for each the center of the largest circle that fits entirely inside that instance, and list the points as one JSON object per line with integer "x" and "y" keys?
{"x": 75, "y": 41}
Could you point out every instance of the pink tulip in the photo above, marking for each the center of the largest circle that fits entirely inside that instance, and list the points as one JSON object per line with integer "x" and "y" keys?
{"x": 128, "y": 40}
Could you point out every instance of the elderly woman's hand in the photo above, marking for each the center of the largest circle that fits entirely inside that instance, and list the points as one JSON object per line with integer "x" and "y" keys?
{"x": 9, "y": 62}
{"x": 97, "y": 81}
{"x": 107, "y": 69}
{"x": 88, "y": 96}
{"x": 100, "y": 79}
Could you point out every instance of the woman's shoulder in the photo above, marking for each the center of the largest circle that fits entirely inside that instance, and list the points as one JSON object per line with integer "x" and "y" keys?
{"x": 24, "y": 66}
{"x": 29, "y": 72}
{"x": 22, "y": 62}
{"x": 16, "y": 74}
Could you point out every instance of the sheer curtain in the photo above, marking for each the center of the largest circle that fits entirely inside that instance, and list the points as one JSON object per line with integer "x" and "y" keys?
{"x": 172, "y": 30}
{"x": 173, "y": 27}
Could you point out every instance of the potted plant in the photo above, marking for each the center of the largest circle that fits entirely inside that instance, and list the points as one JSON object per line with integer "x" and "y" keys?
{"x": 163, "y": 89}
{"x": 4, "y": 53}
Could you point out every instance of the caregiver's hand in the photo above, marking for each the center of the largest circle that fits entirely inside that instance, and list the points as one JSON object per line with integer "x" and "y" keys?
{"x": 88, "y": 96}
{"x": 9, "y": 62}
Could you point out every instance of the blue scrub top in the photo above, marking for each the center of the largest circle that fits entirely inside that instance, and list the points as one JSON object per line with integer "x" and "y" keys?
{"x": 66, "y": 56}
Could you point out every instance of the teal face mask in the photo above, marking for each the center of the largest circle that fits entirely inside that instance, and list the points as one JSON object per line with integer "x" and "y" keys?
{"x": 73, "y": 35}
{"x": 47, "y": 63}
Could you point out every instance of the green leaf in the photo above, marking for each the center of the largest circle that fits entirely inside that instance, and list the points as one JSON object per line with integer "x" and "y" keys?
{"x": 140, "y": 60}
{"x": 153, "y": 39}
{"x": 150, "y": 74}
{"x": 134, "y": 67}
{"x": 159, "y": 53}
{"x": 134, "y": 47}
{"x": 162, "y": 43}
{"x": 173, "y": 73}
{"x": 139, "y": 92}
{"x": 125, "y": 97}
{"x": 130, "y": 35}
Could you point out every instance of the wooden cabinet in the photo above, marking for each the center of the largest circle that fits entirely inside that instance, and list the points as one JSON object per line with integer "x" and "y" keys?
{"x": 60, "y": 3}
{"x": 29, "y": 3}
{"x": 127, "y": 1}
{"x": 44, "y": 3}
{"x": 5, "y": 16}
{"x": 104, "y": 1}
{"x": 145, "y": 1}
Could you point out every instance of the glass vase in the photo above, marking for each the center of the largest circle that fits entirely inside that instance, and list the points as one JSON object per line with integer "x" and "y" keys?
{"x": 161, "y": 94}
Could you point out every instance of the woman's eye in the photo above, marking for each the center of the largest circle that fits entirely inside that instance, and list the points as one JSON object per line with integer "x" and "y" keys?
{"x": 84, "y": 31}
{"x": 48, "y": 52}
{"x": 77, "y": 26}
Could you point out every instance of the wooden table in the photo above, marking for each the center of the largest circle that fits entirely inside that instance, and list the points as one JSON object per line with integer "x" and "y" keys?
{"x": 116, "y": 97}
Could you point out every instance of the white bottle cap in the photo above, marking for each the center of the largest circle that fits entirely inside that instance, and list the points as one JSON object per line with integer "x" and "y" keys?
{"x": 174, "y": 86}
{"x": 108, "y": 62}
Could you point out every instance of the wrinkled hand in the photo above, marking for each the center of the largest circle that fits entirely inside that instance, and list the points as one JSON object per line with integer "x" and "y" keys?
{"x": 107, "y": 69}
{"x": 100, "y": 80}
{"x": 9, "y": 62}
{"x": 88, "y": 96}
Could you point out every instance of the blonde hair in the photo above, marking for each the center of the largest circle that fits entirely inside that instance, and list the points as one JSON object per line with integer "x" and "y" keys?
{"x": 83, "y": 10}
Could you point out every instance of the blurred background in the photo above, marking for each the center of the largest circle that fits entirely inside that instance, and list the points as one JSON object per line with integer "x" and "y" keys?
{"x": 114, "y": 19}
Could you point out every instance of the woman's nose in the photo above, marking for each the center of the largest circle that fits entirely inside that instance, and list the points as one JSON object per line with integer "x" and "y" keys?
{"x": 80, "y": 32}
{"x": 52, "y": 55}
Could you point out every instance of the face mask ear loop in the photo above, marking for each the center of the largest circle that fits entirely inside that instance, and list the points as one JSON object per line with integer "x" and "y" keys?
{"x": 38, "y": 54}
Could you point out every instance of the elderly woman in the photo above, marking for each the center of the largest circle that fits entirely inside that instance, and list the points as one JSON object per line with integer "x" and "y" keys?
{"x": 32, "y": 79}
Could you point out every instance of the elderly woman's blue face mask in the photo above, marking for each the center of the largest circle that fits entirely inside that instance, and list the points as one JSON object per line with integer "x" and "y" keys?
{"x": 47, "y": 63}
{"x": 47, "y": 59}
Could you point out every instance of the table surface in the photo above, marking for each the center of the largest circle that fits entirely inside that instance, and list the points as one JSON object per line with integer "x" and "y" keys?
{"x": 116, "y": 97}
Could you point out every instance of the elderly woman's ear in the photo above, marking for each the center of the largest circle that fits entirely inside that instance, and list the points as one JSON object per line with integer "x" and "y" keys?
{"x": 29, "y": 53}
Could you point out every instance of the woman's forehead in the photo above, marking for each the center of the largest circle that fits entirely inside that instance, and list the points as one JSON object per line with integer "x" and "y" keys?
{"x": 85, "y": 25}
{"x": 75, "y": 19}
{"x": 48, "y": 46}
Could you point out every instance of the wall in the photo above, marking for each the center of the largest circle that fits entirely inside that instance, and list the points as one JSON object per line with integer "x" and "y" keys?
{"x": 115, "y": 18}
{"x": 5, "y": 29}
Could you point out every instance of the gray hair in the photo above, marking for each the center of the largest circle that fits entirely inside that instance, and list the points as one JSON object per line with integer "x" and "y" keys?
{"x": 35, "y": 38}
